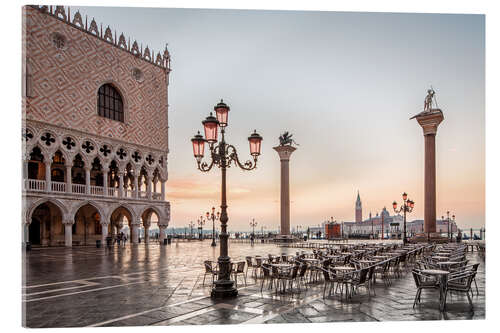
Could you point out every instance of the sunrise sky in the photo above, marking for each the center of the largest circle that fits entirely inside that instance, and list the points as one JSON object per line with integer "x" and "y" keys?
{"x": 345, "y": 84}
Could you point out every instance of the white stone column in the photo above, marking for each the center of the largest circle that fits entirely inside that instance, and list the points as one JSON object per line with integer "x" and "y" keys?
{"x": 146, "y": 233}
{"x": 26, "y": 232}
{"x": 284, "y": 153}
{"x": 87, "y": 179}
{"x": 48, "y": 186}
{"x": 148, "y": 187}
{"x": 68, "y": 178}
{"x": 162, "y": 235}
{"x": 104, "y": 233}
{"x": 25, "y": 169}
{"x": 105, "y": 181}
{"x": 68, "y": 233}
{"x": 163, "y": 190}
{"x": 134, "y": 231}
{"x": 120, "y": 185}
{"x": 136, "y": 186}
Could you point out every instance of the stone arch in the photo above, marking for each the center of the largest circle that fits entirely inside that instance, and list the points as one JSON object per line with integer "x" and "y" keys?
{"x": 158, "y": 212}
{"x": 117, "y": 213}
{"x": 87, "y": 224}
{"x": 35, "y": 163}
{"x": 58, "y": 166}
{"x": 126, "y": 208}
{"x": 56, "y": 202}
{"x": 45, "y": 224}
{"x": 146, "y": 214}
{"x": 92, "y": 203}
{"x": 78, "y": 174}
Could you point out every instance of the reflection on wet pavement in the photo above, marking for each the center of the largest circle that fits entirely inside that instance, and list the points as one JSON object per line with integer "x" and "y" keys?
{"x": 162, "y": 285}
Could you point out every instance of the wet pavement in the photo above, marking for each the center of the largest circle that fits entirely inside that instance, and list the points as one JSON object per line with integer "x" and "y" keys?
{"x": 163, "y": 285}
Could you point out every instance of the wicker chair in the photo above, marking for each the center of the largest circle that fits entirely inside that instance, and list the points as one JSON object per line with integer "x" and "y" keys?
{"x": 290, "y": 278}
{"x": 239, "y": 269}
{"x": 356, "y": 279}
{"x": 249, "y": 261}
{"x": 461, "y": 283}
{"x": 209, "y": 270}
{"x": 422, "y": 282}
{"x": 266, "y": 276}
{"x": 330, "y": 279}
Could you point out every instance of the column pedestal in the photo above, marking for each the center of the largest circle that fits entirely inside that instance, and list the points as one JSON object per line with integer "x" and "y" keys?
{"x": 430, "y": 122}
{"x": 284, "y": 153}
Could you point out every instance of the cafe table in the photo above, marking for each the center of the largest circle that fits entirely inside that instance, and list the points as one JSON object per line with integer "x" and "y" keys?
{"x": 440, "y": 258}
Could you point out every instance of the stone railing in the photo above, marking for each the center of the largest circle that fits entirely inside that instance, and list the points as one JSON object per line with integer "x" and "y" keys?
{"x": 58, "y": 187}
{"x": 78, "y": 188}
{"x": 35, "y": 185}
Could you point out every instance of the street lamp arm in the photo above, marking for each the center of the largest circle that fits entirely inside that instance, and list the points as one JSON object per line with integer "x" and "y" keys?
{"x": 233, "y": 157}
{"x": 204, "y": 166}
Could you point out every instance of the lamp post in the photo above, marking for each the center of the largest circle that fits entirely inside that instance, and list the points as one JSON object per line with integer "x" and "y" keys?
{"x": 213, "y": 217}
{"x": 262, "y": 230}
{"x": 201, "y": 222}
{"x": 191, "y": 225}
{"x": 407, "y": 207}
{"x": 253, "y": 224}
{"x": 223, "y": 155}
{"x": 451, "y": 232}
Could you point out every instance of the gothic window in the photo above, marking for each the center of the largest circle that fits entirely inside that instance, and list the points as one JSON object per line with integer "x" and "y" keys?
{"x": 78, "y": 173}
{"x": 96, "y": 176}
{"x": 109, "y": 103}
{"x": 35, "y": 164}
{"x": 57, "y": 175}
{"x": 58, "y": 40}
{"x": 58, "y": 158}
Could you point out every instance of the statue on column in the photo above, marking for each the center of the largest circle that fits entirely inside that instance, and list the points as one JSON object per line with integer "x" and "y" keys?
{"x": 428, "y": 100}
{"x": 286, "y": 139}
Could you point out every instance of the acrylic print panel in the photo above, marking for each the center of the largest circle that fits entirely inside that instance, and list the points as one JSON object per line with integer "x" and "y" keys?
{"x": 123, "y": 226}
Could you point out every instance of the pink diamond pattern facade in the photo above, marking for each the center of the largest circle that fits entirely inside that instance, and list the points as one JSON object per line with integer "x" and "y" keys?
{"x": 64, "y": 82}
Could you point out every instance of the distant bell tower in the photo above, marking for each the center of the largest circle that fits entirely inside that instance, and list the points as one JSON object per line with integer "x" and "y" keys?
{"x": 359, "y": 210}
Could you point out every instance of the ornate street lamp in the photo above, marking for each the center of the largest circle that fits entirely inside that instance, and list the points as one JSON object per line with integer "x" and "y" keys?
{"x": 201, "y": 222}
{"x": 407, "y": 207}
{"x": 253, "y": 224}
{"x": 214, "y": 217}
{"x": 223, "y": 155}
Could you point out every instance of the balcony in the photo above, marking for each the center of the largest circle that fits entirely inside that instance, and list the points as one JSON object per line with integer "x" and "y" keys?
{"x": 35, "y": 185}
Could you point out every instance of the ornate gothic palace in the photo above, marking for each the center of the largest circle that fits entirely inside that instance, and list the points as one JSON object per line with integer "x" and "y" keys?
{"x": 95, "y": 131}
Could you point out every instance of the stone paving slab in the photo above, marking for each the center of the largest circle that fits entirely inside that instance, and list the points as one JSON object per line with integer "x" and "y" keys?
{"x": 162, "y": 285}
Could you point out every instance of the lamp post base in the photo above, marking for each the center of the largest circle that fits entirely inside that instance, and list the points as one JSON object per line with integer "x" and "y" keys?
{"x": 213, "y": 243}
{"x": 224, "y": 289}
